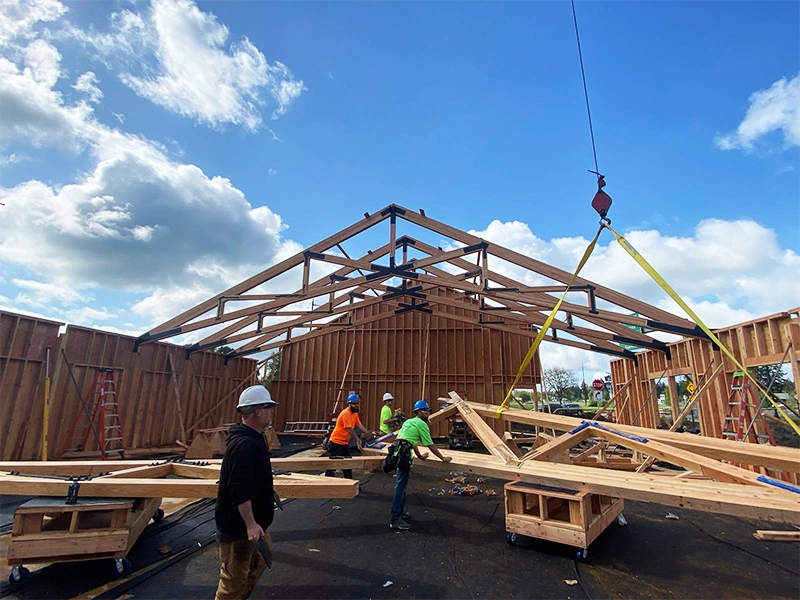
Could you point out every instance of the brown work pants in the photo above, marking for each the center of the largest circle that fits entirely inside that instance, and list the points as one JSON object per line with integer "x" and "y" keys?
{"x": 242, "y": 566}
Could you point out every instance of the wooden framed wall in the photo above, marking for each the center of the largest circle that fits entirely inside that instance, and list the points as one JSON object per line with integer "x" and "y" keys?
{"x": 389, "y": 356}
{"x": 149, "y": 396}
{"x": 759, "y": 342}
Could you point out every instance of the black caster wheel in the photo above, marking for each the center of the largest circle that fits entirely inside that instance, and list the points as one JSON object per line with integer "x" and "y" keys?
{"x": 18, "y": 575}
{"x": 511, "y": 539}
{"x": 122, "y": 567}
{"x": 159, "y": 514}
{"x": 581, "y": 555}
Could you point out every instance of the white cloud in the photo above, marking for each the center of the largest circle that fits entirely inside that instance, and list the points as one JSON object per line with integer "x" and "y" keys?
{"x": 42, "y": 294}
{"x": 180, "y": 58}
{"x": 32, "y": 111}
{"x": 13, "y": 159}
{"x": 723, "y": 282}
{"x": 774, "y": 109}
{"x": 135, "y": 221}
{"x": 19, "y": 17}
{"x": 87, "y": 84}
{"x": 89, "y": 316}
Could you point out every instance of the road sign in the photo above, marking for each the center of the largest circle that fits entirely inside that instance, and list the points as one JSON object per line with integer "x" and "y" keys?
{"x": 597, "y": 384}
{"x": 598, "y": 396}
{"x": 690, "y": 388}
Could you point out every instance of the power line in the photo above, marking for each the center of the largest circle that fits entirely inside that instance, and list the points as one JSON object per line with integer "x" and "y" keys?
{"x": 585, "y": 90}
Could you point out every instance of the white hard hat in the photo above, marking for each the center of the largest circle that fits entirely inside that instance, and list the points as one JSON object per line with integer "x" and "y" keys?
{"x": 254, "y": 396}
{"x": 387, "y": 396}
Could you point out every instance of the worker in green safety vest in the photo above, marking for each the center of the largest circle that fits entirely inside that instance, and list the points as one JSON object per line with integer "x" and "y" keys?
{"x": 386, "y": 413}
{"x": 414, "y": 432}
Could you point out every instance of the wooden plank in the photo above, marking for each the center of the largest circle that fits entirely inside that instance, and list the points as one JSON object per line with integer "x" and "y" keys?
{"x": 139, "y": 519}
{"x": 777, "y": 536}
{"x": 557, "y": 450}
{"x": 687, "y": 460}
{"x": 486, "y": 434}
{"x": 287, "y": 486}
{"x": 177, "y": 397}
{"x": 67, "y": 544}
{"x": 142, "y": 472}
{"x": 544, "y": 530}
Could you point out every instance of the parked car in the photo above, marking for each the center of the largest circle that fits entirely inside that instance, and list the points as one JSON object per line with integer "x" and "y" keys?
{"x": 571, "y": 409}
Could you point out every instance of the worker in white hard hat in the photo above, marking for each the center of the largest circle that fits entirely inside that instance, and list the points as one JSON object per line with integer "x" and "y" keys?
{"x": 386, "y": 413}
{"x": 245, "y": 496}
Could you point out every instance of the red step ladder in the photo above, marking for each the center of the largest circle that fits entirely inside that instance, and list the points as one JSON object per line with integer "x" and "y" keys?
{"x": 101, "y": 400}
{"x": 740, "y": 417}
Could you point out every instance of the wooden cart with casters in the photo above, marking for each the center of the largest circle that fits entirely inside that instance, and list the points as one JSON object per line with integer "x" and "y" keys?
{"x": 48, "y": 530}
{"x": 559, "y": 515}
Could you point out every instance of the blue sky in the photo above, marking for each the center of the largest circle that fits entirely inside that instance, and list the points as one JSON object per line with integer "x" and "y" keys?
{"x": 140, "y": 193}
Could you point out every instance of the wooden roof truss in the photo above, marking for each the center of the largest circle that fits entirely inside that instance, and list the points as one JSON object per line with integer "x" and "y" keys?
{"x": 389, "y": 275}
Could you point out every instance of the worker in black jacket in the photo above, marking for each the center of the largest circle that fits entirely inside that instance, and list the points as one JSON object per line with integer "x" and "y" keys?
{"x": 245, "y": 498}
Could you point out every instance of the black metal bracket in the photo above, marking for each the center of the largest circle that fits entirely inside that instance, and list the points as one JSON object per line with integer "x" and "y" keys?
{"x": 481, "y": 321}
{"x": 72, "y": 493}
{"x": 421, "y": 307}
{"x": 592, "y": 301}
{"x": 382, "y": 272}
{"x": 694, "y": 332}
{"x": 404, "y": 290}
{"x": 149, "y": 337}
{"x": 393, "y": 209}
{"x": 483, "y": 306}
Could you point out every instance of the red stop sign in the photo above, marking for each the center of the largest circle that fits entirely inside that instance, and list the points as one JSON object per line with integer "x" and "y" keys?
{"x": 597, "y": 384}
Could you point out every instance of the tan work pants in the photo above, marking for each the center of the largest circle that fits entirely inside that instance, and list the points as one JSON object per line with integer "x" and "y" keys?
{"x": 242, "y": 566}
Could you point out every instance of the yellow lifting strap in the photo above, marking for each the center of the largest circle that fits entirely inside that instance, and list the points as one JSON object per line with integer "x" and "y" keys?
{"x": 667, "y": 288}
{"x": 540, "y": 336}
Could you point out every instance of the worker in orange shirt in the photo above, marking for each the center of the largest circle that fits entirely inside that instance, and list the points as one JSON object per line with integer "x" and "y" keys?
{"x": 348, "y": 427}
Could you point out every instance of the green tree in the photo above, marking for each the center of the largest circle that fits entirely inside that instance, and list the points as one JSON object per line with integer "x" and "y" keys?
{"x": 765, "y": 374}
{"x": 557, "y": 380}
{"x": 223, "y": 350}
{"x": 271, "y": 371}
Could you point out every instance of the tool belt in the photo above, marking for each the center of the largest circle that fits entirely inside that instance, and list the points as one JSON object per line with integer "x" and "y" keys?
{"x": 398, "y": 457}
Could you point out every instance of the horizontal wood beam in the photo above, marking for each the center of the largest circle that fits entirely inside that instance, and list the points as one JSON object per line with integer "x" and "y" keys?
{"x": 286, "y": 486}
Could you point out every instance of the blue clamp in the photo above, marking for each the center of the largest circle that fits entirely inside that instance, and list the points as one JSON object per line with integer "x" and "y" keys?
{"x": 604, "y": 428}
{"x": 579, "y": 428}
{"x": 780, "y": 484}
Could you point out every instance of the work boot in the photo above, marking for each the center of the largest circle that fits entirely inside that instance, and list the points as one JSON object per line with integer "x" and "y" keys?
{"x": 399, "y": 525}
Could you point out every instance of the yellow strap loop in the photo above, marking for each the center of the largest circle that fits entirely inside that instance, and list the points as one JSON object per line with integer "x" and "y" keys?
{"x": 672, "y": 294}
{"x": 540, "y": 336}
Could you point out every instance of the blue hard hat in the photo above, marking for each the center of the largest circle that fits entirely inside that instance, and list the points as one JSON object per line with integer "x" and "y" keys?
{"x": 421, "y": 405}
{"x": 352, "y": 398}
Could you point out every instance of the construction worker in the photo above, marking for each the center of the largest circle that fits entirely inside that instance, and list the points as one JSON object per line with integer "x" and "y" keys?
{"x": 348, "y": 427}
{"x": 386, "y": 413}
{"x": 413, "y": 433}
{"x": 245, "y": 496}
